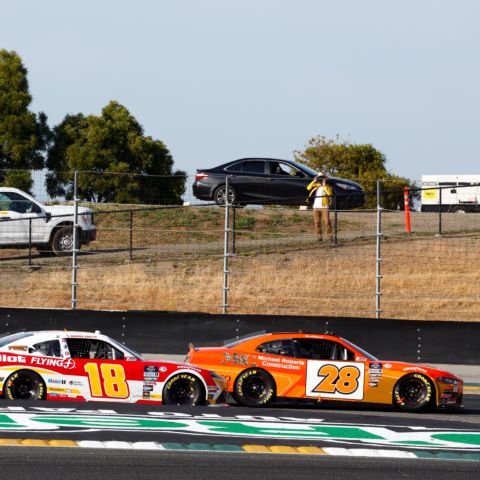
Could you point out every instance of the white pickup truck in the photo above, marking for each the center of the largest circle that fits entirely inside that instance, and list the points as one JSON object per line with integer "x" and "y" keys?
{"x": 25, "y": 222}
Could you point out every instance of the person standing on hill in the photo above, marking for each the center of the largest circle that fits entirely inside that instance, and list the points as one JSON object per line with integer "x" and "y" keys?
{"x": 323, "y": 194}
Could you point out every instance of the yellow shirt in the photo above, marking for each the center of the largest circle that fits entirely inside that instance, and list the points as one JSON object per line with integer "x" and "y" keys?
{"x": 322, "y": 194}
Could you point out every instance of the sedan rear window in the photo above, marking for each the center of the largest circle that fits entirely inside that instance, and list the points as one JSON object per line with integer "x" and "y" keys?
{"x": 253, "y": 167}
{"x": 236, "y": 167}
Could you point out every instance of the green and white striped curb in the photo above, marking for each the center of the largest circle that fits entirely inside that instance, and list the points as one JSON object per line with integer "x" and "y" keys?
{"x": 265, "y": 449}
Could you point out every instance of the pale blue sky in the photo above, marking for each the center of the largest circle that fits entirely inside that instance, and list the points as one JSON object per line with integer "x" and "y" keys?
{"x": 218, "y": 80}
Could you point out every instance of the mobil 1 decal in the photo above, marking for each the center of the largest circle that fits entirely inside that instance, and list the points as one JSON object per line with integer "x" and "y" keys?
{"x": 329, "y": 379}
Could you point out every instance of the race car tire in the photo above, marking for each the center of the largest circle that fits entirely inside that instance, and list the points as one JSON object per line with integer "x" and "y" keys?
{"x": 254, "y": 388}
{"x": 413, "y": 392}
{"x": 183, "y": 389}
{"x": 24, "y": 385}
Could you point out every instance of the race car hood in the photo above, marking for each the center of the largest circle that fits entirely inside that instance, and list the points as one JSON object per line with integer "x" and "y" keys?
{"x": 416, "y": 368}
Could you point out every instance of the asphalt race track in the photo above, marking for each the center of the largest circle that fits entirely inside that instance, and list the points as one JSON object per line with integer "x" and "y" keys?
{"x": 141, "y": 441}
{"x": 60, "y": 464}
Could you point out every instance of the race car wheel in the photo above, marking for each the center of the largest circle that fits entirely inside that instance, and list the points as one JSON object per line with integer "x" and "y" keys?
{"x": 24, "y": 385}
{"x": 183, "y": 389}
{"x": 254, "y": 388}
{"x": 219, "y": 196}
{"x": 413, "y": 392}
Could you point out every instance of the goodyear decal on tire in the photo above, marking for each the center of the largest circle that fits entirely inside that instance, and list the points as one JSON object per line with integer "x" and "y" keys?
{"x": 9, "y": 384}
{"x": 182, "y": 376}
{"x": 427, "y": 384}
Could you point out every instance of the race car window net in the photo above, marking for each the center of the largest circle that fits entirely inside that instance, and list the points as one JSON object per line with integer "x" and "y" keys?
{"x": 95, "y": 349}
{"x": 13, "y": 338}
{"x": 322, "y": 350}
{"x": 314, "y": 349}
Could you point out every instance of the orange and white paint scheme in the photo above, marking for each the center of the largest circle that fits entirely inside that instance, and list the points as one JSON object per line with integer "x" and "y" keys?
{"x": 263, "y": 367}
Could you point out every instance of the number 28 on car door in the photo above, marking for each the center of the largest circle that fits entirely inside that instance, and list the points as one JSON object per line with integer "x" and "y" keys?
{"x": 330, "y": 379}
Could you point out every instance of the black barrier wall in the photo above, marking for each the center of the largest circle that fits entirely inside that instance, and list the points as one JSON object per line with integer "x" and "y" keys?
{"x": 170, "y": 332}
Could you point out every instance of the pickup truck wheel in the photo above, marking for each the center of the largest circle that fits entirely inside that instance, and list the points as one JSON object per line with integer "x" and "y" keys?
{"x": 62, "y": 241}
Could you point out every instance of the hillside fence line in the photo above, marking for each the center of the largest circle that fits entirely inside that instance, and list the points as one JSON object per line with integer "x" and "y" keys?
{"x": 265, "y": 259}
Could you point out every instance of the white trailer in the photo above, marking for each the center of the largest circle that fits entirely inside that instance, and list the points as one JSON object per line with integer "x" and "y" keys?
{"x": 451, "y": 193}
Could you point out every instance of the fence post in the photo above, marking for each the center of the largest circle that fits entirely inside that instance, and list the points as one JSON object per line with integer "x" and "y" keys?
{"x": 234, "y": 221}
{"x": 131, "y": 235}
{"x": 406, "y": 204}
{"x": 75, "y": 241}
{"x": 335, "y": 220}
{"x": 440, "y": 213}
{"x": 29, "y": 242}
{"x": 378, "y": 276}
{"x": 225, "y": 246}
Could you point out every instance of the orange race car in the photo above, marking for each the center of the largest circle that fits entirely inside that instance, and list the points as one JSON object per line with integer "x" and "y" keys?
{"x": 262, "y": 367}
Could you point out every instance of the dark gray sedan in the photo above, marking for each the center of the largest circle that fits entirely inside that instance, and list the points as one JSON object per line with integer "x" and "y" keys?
{"x": 267, "y": 181}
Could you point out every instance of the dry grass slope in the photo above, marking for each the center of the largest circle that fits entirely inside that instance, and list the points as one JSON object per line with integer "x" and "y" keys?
{"x": 423, "y": 278}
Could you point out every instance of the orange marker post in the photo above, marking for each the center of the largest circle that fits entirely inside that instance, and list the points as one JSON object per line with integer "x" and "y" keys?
{"x": 407, "y": 209}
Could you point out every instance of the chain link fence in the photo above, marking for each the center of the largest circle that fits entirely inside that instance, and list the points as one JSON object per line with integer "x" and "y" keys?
{"x": 198, "y": 256}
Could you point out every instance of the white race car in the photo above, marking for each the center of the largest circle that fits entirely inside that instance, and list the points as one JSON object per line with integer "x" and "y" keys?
{"x": 63, "y": 365}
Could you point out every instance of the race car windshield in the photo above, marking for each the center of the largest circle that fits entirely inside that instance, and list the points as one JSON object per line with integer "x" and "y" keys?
{"x": 13, "y": 338}
{"x": 367, "y": 355}
{"x": 132, "y": 353}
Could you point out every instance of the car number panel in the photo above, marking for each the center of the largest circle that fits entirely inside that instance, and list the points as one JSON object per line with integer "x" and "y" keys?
{"x": 338, "y": 380}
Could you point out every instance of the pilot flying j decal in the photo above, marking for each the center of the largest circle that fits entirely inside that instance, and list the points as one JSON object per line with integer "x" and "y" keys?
{"x": 329, "y": 379}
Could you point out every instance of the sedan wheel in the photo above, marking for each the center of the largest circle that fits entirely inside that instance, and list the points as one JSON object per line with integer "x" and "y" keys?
{"x": 220, "y": 195}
